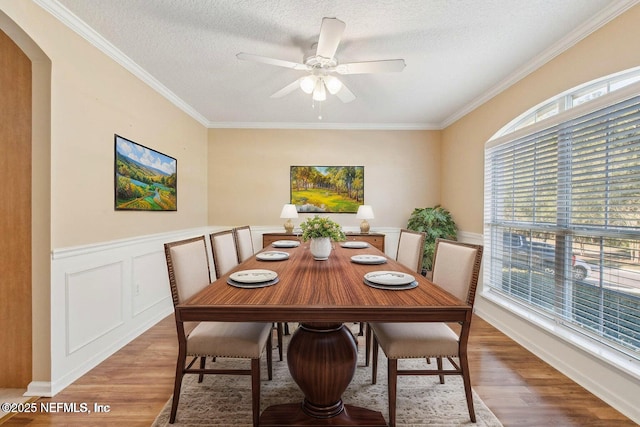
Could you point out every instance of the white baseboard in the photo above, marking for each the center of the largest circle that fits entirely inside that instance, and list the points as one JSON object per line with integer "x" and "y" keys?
{"x": 39, "y": 389}
{"x": 596, "y": 374}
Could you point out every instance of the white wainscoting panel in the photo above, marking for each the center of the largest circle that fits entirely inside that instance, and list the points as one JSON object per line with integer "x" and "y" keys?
{"x": 103, "y": 296}
{"x": 150, "y": 282}
{"x": 94, "y": 304}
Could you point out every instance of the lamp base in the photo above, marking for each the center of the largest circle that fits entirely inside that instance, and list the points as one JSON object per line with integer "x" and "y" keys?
{"x": 288, "y": 227}
{"x": 364, "y": 227}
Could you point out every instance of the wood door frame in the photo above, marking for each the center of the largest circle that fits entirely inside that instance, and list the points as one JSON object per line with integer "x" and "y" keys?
{"x": 38, "y": 333}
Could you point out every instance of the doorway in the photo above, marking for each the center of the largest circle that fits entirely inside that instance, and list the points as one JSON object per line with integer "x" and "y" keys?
{"x": 15, "y": 215}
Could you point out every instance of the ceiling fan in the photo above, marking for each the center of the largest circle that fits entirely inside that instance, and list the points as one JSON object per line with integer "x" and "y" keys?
{"x": 321, "y": 66}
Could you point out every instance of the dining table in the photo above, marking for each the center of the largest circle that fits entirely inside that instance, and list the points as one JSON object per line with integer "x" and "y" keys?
{"x": 323, "y": 297}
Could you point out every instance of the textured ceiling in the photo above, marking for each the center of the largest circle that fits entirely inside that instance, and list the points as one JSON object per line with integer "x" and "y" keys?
{"x": 457, "y": 53}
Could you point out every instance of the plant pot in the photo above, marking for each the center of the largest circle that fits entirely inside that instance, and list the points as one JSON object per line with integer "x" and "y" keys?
{"x": 320, "y": 248}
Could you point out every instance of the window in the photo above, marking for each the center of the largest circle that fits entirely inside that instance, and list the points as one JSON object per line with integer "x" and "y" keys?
{"x": 571, "y": 98}
{"x": 562, "y": 216}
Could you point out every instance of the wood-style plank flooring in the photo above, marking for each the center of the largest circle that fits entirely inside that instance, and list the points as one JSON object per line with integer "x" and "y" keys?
{"x": 517, "y": 386}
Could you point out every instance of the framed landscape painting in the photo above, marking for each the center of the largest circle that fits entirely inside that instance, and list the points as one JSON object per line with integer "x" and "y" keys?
{"x": 145, "y": 179}
{"x": 327, "y": 189}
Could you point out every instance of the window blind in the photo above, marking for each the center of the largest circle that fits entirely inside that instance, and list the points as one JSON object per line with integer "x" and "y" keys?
{"x": 562, "y": 221}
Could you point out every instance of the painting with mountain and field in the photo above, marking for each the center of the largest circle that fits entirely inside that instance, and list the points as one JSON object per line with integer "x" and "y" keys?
{"x": 328, "y": 189}
{"x": 145, "y": 179}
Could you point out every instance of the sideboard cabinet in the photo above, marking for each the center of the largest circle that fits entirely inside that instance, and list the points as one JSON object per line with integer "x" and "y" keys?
{"x": 374, "y": 239}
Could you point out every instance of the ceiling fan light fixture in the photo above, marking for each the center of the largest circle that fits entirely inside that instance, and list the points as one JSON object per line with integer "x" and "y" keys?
{"x": 319, "y": 62}
{"x": 319, "y": 93}
{"x": 308, "y": 84}
{"x": 333, "y": 84}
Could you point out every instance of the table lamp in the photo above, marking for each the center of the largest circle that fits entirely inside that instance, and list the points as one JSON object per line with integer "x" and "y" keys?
{"x": 364, "y": 213}
{"x": 289, "y": 211}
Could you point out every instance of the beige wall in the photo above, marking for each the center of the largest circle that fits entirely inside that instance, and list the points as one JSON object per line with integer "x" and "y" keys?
{"x": 608, "y": 50}
{"x": 249, "y": 171}
{"x": 92, "y": 97}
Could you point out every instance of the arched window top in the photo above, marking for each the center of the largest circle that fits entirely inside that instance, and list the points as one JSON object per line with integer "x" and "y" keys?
{"x": 571, "y": 98}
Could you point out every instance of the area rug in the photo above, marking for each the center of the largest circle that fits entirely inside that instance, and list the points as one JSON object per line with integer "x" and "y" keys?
{"x": 223, "y": 400}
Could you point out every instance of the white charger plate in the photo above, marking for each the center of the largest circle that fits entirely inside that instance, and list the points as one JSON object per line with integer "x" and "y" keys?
{"x": 252, "y": 285}
{"x": 392, "y": 287}
{"x": 272, "y": 256}
{"x": 389, "y": 278}
{"x": 285, "y": 244}
{"x": 368, "y": 259}
{"x": 354, "y": 245}
{"x": 253, "y": 276}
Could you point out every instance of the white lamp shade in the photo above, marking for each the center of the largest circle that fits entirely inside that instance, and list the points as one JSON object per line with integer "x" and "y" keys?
{"x": 365, "y": 212}
{"x": 333, "y": 84}
{"x": 308, "y": 83}
{"x": 319, "y": 93}
{"x": 289, "y": 211}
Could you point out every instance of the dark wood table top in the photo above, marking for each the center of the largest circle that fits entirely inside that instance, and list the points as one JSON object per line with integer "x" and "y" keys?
{"x": 323, "y": 291}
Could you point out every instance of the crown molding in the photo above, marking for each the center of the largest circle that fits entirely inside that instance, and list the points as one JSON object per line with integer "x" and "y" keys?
{"x": 81, "y": 28}
{"x": 65, "y": 16}
{"x": 333, "y": 126}
{"x": 605, "y": 16}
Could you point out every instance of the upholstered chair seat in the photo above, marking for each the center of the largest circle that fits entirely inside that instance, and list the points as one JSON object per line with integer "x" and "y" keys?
{"x": 228, "y": 339}
{"x": 416, "y": 340}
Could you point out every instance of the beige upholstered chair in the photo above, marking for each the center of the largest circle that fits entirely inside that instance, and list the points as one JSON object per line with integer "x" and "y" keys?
{"x": 456, "y": 268}
{"x": 411, "y": 249}
{"x": 244, "y": 242}
{"x": 244, "y": 247}
{"x": 188, "y": 267}
{"x": 225, "y": 254}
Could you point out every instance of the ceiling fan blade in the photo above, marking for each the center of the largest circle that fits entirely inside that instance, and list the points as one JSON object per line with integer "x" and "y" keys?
{"x": 330, "y": 34}
{"x": 272, "y": 61}
{"x": 345, "y": 95}
{"x": 368, "y": 67}
{"x": 287, "y": 89}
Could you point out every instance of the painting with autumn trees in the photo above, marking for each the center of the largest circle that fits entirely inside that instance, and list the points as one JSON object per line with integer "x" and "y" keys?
{"x": 328, "y": 189}
{"x": 144, "y": 178}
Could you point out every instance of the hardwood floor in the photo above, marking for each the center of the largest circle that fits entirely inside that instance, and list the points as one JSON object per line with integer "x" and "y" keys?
{"x": 518, "y": 387}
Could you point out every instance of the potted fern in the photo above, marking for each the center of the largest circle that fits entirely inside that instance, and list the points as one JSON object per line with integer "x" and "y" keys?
{"x": 436, "y": 222}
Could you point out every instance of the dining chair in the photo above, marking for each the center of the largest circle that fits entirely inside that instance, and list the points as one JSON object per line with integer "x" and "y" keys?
{"x": 244, "y": 242}
{"x": 244, "y": 248}
{"x": 409, "y": 254}
{"x": 411, "y": 249}
{"x": 225, "y": 254}
{"x": 188, "y": 268}
{"x": 456, "y": 268}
